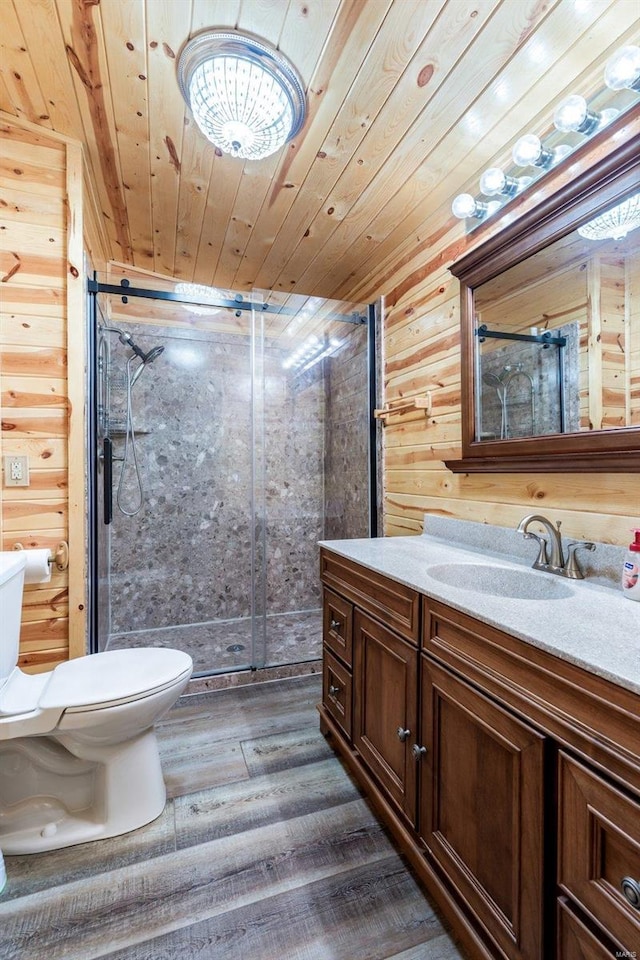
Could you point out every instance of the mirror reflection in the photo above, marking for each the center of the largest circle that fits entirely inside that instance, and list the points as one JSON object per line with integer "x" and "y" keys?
{"x": 557, "y": 336}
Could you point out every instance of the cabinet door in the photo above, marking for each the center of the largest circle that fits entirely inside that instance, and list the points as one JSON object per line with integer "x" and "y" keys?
{"x": 481, "y": 807}
{"x": 385, "y": 675}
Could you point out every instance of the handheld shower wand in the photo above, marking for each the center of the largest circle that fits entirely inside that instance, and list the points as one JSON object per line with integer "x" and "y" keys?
{"x": 130, "y": 454}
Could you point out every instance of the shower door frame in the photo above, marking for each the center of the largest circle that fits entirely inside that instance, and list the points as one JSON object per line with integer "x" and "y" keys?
{"x": 124, "y": 290}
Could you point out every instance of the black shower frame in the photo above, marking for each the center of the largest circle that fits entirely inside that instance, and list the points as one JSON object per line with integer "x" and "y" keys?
{"x": 239, "y": 304}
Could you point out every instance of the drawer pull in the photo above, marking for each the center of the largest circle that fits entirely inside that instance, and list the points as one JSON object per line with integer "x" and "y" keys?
{"x": 631, "y": 891}
{"x": 333, "y": 690}
{"x": 418, "y": 752}
{"x": 335, "y": 625}
{"x": 403, "y": 734}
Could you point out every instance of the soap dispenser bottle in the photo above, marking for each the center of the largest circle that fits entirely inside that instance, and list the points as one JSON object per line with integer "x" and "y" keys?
{"x": 631, "y": 569}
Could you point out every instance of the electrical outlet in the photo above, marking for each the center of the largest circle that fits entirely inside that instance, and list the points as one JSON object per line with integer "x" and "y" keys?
{"x": 16, "y": 471}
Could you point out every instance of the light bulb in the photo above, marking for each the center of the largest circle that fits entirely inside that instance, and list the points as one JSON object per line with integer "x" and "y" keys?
{"x": 623, "y": 69}
{"x": 573, "y": 115}
{"x": 494, "y": 181}
{"x": 529, "y": 152}
{"x": 465, "y": 206}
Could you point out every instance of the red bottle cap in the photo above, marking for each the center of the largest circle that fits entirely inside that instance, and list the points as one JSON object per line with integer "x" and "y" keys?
{"x": 635, "y": 546}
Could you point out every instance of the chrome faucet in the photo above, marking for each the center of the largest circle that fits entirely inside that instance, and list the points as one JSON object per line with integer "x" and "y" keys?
{"x": 556, "y": 563}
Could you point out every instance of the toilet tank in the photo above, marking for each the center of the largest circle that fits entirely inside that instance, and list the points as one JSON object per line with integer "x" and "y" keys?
{"x": 12, "y": 566}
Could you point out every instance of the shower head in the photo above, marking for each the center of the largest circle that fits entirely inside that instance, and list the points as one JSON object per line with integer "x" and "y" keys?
{"x": 153, "y": 354}
{"x": 146, "y": 358}
{"x": 491, "y": 380}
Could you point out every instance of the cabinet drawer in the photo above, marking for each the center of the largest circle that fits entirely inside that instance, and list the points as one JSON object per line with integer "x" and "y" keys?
{"x": 599, "y": 850}
{"x": 575, "y": 940}
{"x": 336, "y": 691}
{"x": 337, "y": 625}
{"x": 391, "y": 602}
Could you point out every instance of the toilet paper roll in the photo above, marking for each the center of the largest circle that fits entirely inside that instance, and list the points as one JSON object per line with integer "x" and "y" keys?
{"x": 38, "y": 568}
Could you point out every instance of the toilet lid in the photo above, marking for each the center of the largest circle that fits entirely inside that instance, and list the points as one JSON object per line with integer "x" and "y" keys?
{"x": 115, "y": 675}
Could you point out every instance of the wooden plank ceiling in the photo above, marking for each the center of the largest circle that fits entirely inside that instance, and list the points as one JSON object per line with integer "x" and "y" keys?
{"x": 408, "y": 101}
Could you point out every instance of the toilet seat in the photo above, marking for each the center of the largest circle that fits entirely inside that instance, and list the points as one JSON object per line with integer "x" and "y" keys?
{"x": 117, "y": 676}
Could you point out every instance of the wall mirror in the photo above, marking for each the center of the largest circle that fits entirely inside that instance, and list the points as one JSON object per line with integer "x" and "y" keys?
{"x": 550, "y": 331}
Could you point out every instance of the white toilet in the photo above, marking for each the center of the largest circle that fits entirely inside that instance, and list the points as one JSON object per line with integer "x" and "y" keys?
{"x": 78, "y": 754}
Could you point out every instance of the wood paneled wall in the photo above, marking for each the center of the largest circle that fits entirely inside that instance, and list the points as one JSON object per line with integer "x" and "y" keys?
{"x": 422, "y": 353}
{"x": 42, "y": 324}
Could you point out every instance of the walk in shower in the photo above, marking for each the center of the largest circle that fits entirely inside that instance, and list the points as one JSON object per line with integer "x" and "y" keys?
{"x": 232, "y": 433}
{"x": 527, "y": 382}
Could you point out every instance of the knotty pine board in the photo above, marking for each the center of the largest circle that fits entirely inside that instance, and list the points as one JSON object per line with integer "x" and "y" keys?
{"x": 33, "y": 375}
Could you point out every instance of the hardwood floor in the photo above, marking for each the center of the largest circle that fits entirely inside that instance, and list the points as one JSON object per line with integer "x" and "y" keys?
{"x": 266, "y": 850}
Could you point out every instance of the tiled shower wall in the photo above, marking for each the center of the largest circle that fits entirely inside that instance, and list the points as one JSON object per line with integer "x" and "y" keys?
{"x": 186, "y": 557}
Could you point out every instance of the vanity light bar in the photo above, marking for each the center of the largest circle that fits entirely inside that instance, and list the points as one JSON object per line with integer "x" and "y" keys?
{"x": 572, "y": 115}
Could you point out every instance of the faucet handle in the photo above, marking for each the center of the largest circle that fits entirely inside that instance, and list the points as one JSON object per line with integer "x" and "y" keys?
{"x": 542, "y": 560}
{"x": 572, "y": 570}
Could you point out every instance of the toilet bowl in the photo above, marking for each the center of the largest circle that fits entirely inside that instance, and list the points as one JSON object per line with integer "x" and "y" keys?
{"x": 79, "y": 758}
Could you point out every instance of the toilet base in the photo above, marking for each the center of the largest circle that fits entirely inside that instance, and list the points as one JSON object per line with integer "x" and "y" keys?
{"x": 58, "y": 791}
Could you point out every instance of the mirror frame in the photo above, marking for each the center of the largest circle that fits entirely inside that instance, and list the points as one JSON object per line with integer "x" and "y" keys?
{"x": 614, "y": 450}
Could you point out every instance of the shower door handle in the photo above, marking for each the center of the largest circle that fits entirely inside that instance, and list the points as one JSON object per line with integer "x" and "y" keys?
{"x": 107, "y": 450}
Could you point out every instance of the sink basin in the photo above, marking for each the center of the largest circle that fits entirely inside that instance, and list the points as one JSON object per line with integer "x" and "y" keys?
{"x": 500, "y": 581}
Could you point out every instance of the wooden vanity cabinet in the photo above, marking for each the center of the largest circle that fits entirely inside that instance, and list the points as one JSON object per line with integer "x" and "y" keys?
{"x": 510, "y": 778}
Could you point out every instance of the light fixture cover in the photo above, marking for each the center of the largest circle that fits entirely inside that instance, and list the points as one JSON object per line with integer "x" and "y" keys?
{"x": 614, "y": 224}
{"x": 246, "y": 98}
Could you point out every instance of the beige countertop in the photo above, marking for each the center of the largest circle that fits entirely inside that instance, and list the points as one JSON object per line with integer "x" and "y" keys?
{"x": 586, "y": 623}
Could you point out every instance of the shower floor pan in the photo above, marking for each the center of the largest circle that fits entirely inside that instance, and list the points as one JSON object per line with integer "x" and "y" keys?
{"x": 222, "y": 645}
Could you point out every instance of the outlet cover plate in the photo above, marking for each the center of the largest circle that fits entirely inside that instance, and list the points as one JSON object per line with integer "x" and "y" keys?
{"x": 16, "y": 471}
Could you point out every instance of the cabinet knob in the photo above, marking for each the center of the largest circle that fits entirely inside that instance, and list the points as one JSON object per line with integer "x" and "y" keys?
{"x": 631, "y": 891}
{"x": 403, "y": 734}
{"x": 335, "y": 625}
{"x": 333, "y": 690}
{"x": 418, "y": 752}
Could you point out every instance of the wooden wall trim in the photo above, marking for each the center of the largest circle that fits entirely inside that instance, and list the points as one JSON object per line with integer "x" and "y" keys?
{"x": 76, "y": 446}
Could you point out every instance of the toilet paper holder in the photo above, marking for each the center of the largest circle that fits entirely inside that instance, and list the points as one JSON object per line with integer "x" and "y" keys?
{"x": 60, "y": 556}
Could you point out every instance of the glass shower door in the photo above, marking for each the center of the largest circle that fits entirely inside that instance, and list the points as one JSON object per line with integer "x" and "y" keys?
{"x": 239, "y": 438}
{"x": 312, "y": 460}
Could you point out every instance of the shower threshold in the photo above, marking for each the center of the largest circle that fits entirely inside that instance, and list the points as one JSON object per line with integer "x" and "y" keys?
{"x": 221, "y": 646}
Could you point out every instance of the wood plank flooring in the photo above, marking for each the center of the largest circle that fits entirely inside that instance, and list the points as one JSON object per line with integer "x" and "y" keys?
{"x": 266, "y": 850}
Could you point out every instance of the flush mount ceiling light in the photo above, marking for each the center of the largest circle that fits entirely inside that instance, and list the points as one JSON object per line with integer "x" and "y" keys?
{"x": 198, "y": 291}
{"x": 246, "y": 98}
{"x": 614, "y": 224}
